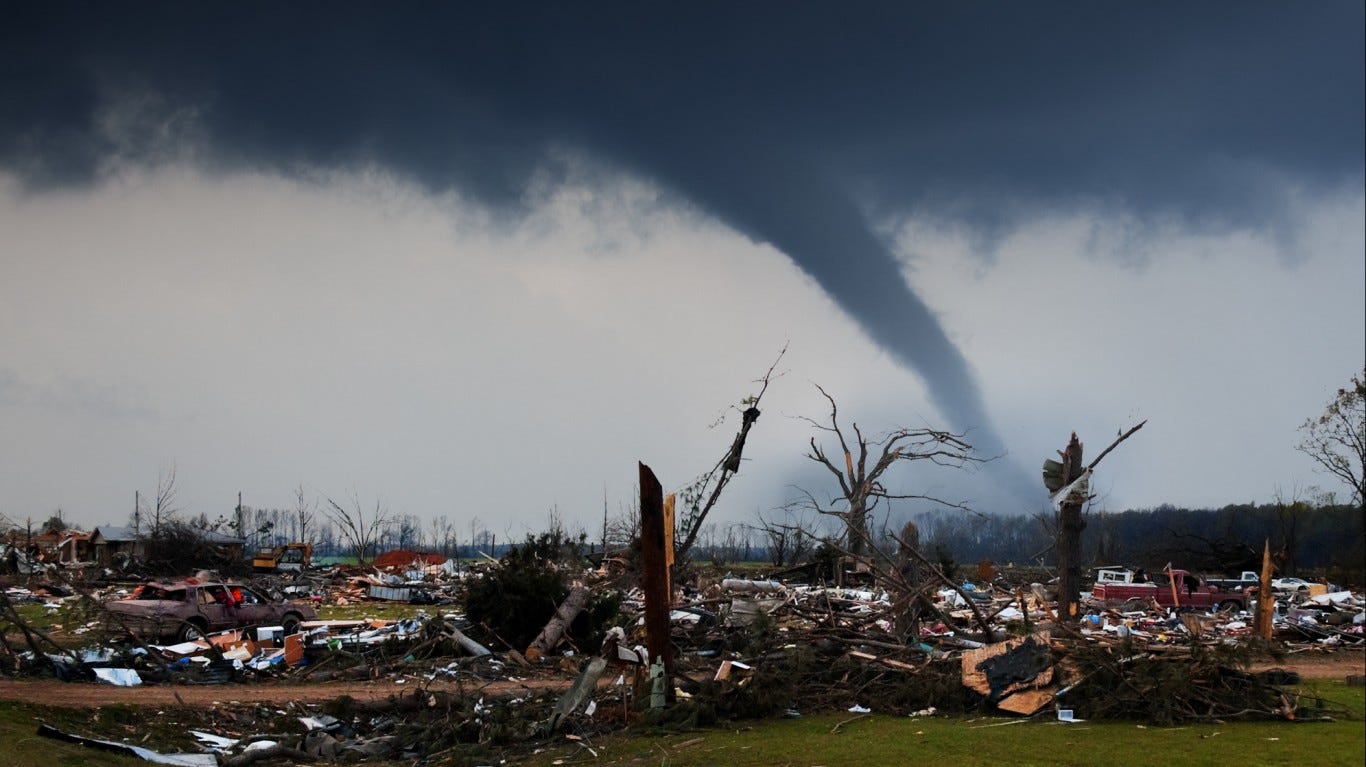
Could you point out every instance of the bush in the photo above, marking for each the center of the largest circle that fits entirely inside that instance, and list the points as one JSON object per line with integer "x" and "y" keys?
{"x": 514, "y": 601}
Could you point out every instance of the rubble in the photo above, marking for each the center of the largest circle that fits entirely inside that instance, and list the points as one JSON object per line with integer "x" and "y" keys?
{"x": 743, "y": 647}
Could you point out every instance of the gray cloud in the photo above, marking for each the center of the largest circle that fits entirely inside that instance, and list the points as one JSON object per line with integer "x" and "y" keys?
{"x": 74, "y": 395}
{"x": 788, "y": 123}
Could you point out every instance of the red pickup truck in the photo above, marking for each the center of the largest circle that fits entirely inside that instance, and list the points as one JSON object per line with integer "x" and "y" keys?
{"x": 1170, "y": 588}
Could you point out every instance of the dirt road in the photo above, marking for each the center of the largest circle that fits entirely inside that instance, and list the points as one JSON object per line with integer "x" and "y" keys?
{"x": 1319, "y": 665}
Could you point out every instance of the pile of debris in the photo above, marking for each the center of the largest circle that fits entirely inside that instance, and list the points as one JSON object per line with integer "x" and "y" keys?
{"x": 741, "y": 647}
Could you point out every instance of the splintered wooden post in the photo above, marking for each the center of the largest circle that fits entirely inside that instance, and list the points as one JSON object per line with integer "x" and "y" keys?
{"x": 669, "y": 546}
{"x": 654, "y": 565}
{"x": 1266, "y": 601}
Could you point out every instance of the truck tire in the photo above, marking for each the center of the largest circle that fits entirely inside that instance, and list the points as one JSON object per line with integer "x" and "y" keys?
{"x": 291, "y": 624}
{"x": 1228, "y": 605}
{"x": 1133, "y": 605}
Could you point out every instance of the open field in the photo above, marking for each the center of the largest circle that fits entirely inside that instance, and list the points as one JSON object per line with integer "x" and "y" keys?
{"x": 842, "y": 739}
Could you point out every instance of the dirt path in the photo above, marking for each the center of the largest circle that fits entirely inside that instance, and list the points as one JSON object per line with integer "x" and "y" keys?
{"x": 1311, "y": 664}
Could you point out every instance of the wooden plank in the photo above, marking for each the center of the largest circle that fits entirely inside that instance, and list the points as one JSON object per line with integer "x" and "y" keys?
{"x": 981, "y": 675}
{"x": 1027, "y": 702}
{"x": 294, "y": 649}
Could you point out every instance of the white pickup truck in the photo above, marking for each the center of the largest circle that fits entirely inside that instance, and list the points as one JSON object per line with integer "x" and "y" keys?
{"x": 1241, "y": 583}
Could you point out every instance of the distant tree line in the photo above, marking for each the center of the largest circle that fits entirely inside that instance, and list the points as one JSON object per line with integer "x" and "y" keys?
{"x": 1305, "y": 538}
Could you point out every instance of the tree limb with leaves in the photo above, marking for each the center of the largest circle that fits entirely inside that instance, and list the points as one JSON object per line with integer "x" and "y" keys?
{"x": 1336, "y": 440}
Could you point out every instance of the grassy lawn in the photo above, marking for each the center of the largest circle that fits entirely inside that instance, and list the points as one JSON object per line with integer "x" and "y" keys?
{"x": 380, "y": 610}
{"x": 834, "y": 740}
{"x": 23, "y": 748}
{"x": 71, "y": 616}
{"x": 831, "y": 740}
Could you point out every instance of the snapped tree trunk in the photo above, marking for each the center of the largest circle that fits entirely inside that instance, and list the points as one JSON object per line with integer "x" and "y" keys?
{"x": 1266, "y": 601}
{"x": 558, "y": 625}
{"x": 1070, "y": 526}
{"x": 909, "y": 601}
{"x": 858, "y": 527}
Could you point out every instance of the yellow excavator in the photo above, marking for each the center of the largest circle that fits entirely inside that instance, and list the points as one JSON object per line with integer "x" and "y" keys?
{"x": 289, "y": 558}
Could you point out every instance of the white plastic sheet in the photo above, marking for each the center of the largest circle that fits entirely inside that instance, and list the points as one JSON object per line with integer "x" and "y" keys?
{"x": 119, "y": 677}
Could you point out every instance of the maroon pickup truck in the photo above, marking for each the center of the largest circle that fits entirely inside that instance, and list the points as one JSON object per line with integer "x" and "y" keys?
{"x": 1190, "y": 591}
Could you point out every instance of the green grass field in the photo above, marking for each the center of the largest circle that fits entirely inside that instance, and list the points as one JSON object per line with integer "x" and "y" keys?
{"x": 840, "y": 740}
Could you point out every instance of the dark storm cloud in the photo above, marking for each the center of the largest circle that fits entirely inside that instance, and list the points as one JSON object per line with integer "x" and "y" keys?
{"x": 786, "y": 121}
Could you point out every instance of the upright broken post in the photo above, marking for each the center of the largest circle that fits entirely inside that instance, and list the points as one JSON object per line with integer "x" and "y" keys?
{"x": 654, "y": 565}
{"x": 1266, "y": 600}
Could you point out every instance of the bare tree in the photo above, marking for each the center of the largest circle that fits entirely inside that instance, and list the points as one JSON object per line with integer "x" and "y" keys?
{"x": 357, "y": 526}
{"x": 620, "y": 530}
{"x": 701, "y": 496}
{"x": 304, "y": 513}
{"x": 861, "y": 485}
{"x": 440, "y": 535}
{"x": 164, "y": 505}
{"x": 1336, "y": 440}
{"x": 787, "y": 542}
{"x": 476, "y": 525}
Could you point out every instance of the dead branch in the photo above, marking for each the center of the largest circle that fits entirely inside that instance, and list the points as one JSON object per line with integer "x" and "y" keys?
{"x": 1115, "y": 444}
{"x": 725, "y": 469}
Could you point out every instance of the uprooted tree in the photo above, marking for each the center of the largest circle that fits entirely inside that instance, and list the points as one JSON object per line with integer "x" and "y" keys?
{"x": 863, "y": 463}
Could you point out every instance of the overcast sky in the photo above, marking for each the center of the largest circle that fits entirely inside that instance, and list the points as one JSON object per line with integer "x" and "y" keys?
{"x": 478, "y": 262}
